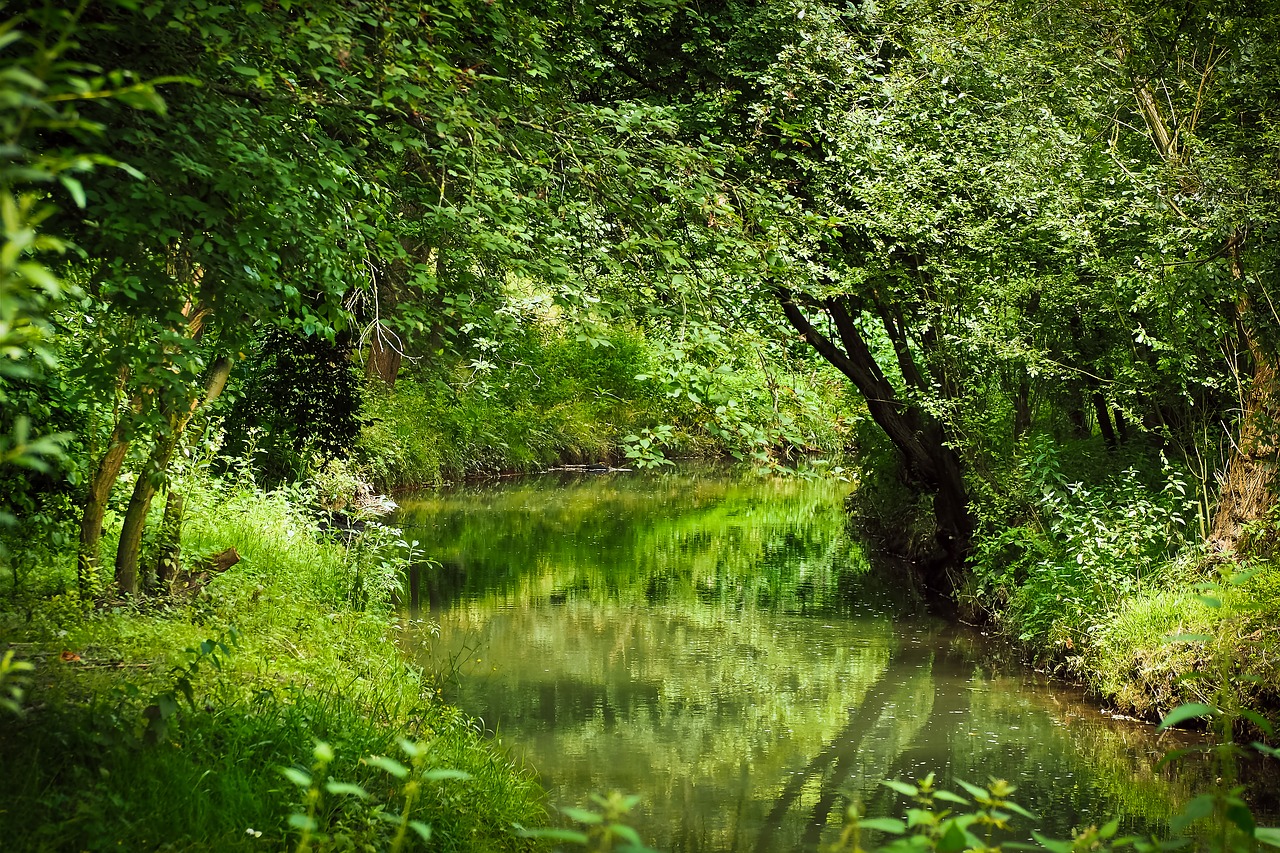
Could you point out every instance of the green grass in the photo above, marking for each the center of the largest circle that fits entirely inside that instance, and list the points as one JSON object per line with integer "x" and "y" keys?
{"x": 1138, "y": 660}
{"x": 88, "y": 768}
{"x": 77, "y": 781}
{"x": 547, "y": 397}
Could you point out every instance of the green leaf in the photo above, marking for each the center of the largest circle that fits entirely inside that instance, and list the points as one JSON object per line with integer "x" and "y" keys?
{"x": 75, "y": 188}
{"x": 903, "y": 788}
{"x": 1182, "y": 713}
{"x": 581, "y": 815}
{"x": 1268, "y": 835}
{"x": 569, "y": 836}
{"x": 1017, "y": 809}
{"x": 1259, "y": 721}
{"x": 1174, "y": 755}
{"x": 390, "y": 765}
{"x": 346, "y": 788}
{"x": 953, "y": 840}
{"x": 423, "y": 830}
{"x": 167, "y": 704}
{"x": 1198, "y": 808}
{"x": 626, "y": 833}
{"x": 948, "y": 797}
{"x": 1188, "y": 638}
{"x": 884, "y": 824}
{"x": 1272, "y": 751}
{"x": 445, "y": 773}
{"x": 302, "y": 822}
{"x": 1239, "y": 814}
{"x": 1053, "y": 845}
{"x": 296, "y": 776}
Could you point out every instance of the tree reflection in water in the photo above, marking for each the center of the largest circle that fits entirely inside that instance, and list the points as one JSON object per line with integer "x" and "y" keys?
{"x": 719, "y": 646}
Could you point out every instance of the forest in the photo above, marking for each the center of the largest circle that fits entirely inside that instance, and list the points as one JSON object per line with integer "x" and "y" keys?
{"x": 1002, "y": 267}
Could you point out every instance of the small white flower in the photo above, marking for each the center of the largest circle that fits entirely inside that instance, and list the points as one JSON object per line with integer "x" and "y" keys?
{"x": 253, "y": 832}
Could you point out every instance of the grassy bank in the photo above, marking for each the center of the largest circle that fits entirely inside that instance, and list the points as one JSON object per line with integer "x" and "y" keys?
{"x": 553, "y": 394}
{"x": 170, "y": 724}
{"x": 1094, "y": 565}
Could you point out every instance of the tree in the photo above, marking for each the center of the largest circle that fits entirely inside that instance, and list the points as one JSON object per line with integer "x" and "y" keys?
{"x": 43, "y": 92}
{"x": 1188, "y": 96}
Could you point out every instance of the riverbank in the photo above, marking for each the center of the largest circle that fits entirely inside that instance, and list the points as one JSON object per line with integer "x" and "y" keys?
{"x": 187, "y": 724}
{"x": 1097, "y": 571}
{"x": 622, "y": 397}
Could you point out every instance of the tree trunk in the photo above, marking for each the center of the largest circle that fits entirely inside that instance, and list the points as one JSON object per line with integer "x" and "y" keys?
{"x": 103, "y": 481}
{"x": 1122, "y": 426}
{"x": 384, "y": 359}
{"x": 1249, "y": 487}
{"x": 1079, "y": 424}
{"x": 151, "y": 476}
{"x": 1022, "y": 407}
{"x": 921, "y": 440}
{"x": 1104, "y": 420}
{"x": 135, "y": 517}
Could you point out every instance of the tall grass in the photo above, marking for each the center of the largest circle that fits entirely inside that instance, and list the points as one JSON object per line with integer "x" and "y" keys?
{"x": 113, "y": 752}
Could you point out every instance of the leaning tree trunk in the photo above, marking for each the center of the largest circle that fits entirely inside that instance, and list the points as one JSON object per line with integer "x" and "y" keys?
{"x": 152, "y": 474}
{"x": 104, "y": 479}
{"x": 921, "y": 440}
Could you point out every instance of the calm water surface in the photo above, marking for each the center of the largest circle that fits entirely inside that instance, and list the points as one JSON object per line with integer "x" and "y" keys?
{"x": 717, "y": 645}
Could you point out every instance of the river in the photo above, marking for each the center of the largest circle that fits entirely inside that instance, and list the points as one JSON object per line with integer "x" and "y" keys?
{"x": 717, "y": 645}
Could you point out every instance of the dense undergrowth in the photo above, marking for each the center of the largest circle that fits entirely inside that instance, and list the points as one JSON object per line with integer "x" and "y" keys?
{"x": 550, "y": 393}
{"x": 1093, "y": 563}
{"x": 167, "y": 724}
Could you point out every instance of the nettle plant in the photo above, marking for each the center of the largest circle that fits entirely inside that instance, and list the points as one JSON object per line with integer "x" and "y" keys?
{"x": 399, "y": 810}
{"x": 602, "y": 828}
{"x": 1082, "y": 547}
{"x": 942, "y": 821}
{"x": 377, "y": 561}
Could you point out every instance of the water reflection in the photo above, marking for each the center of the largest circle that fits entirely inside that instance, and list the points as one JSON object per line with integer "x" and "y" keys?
{"x": 719, "y": 647}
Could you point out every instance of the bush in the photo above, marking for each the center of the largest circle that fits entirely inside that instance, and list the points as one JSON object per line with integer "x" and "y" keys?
{"x": 1076, "y": 551}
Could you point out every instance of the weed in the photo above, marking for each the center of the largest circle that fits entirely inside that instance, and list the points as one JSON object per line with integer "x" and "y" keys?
{"x": 602, "y": 829}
